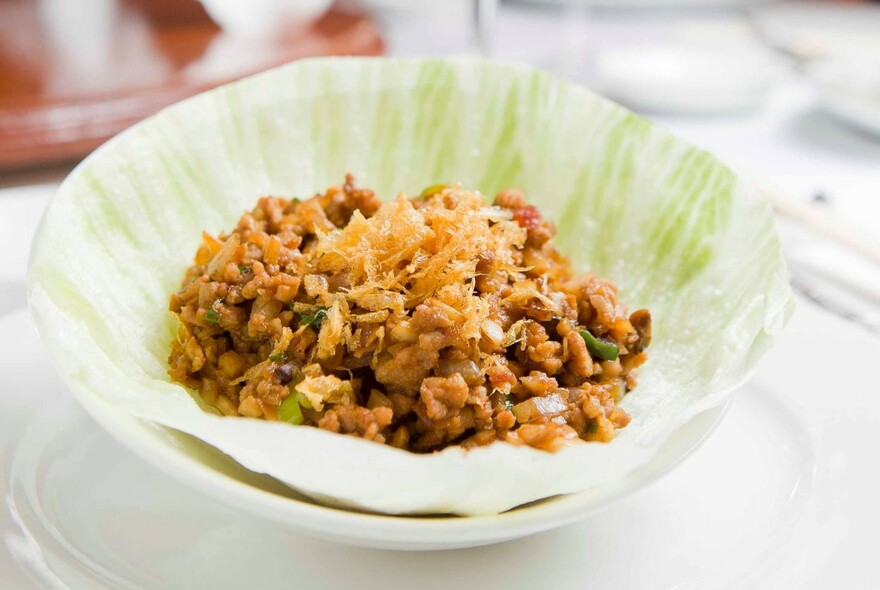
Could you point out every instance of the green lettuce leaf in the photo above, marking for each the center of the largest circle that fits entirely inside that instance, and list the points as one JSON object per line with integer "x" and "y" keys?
{"x": 672, "y": 226}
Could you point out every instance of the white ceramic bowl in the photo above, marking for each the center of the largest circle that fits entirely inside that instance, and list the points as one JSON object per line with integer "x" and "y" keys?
{"x": 115, "y": 361}
{"x": 202, "y": 467}
{"x": 258, "y": 18}
{"x": 687, "y": 80}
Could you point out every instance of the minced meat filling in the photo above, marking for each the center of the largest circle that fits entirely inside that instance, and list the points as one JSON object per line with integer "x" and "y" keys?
{"x": 420, "y": 323}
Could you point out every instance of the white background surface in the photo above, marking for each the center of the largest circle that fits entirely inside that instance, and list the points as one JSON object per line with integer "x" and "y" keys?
{"x": 784, "y": 494}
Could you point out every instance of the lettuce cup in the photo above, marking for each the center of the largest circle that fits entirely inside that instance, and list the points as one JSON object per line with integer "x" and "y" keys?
{"x": 670, "y": 225}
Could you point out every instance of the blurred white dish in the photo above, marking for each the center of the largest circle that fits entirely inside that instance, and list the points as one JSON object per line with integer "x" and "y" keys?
{"x": 849, "y": 88}
{"x": 671, "y": 4}
{"x": 687, "y": 80}
{"x": 810, "y": 30}
{"x": 262, "y": 17}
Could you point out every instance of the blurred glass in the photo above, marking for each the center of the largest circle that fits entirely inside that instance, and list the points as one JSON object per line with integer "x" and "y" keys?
{"x": 485, "y": 16}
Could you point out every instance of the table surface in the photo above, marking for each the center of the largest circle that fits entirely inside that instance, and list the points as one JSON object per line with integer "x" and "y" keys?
{"x": 809, "y": 523}
{"x": 75, "y": 74}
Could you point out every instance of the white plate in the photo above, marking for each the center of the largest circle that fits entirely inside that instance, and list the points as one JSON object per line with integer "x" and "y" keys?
{"x": 90, "y": 515}
{"x": 688, "y": 79}
{"x": 783, "y": 495}
{"x": 103, "y": 519}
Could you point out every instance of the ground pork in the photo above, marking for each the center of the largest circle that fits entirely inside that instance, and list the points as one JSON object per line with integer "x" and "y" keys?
{"x": 420, "y": 323}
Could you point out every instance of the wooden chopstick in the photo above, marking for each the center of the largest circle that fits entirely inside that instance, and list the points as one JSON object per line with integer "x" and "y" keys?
{"x": 837, "y": 231}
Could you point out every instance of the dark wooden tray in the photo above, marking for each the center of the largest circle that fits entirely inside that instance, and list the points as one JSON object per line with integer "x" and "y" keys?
{"x": 70, "y": 81}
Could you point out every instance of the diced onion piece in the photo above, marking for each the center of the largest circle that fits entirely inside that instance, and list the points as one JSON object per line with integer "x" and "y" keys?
{"x": 515, "y": 333}
{"x": 492, "y": 332}
{"x": 315, "y": 285}
{"x": 547, "y": 407}
{"x": 231, "y": 363}
{"x": 468, "y": 369}
{"x": 495, "y": 213}
{"x": 250, "y": 407}
{"x": 221, "y": 258}
{"x": 272, "y": 250}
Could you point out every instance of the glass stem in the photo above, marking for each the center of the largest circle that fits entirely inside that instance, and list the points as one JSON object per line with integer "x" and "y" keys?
{"x": 485, "y": 16}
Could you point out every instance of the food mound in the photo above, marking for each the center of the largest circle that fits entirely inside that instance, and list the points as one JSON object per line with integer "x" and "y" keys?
{"x": 419, "y": 323}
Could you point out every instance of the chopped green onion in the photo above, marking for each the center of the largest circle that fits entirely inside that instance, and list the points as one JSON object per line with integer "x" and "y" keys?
{"x": 304, "y": 401}
{"x": 432, "y": 190}
{"x": 592, "y": 426}
{"x": 277, "y": 358}
{"x": 315, "y": 318}
{"x": 244, "y": 269}
{"x": 212, "y": 316}
{"x": 290, "y": 409}
{"x": 600, "y": 348}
